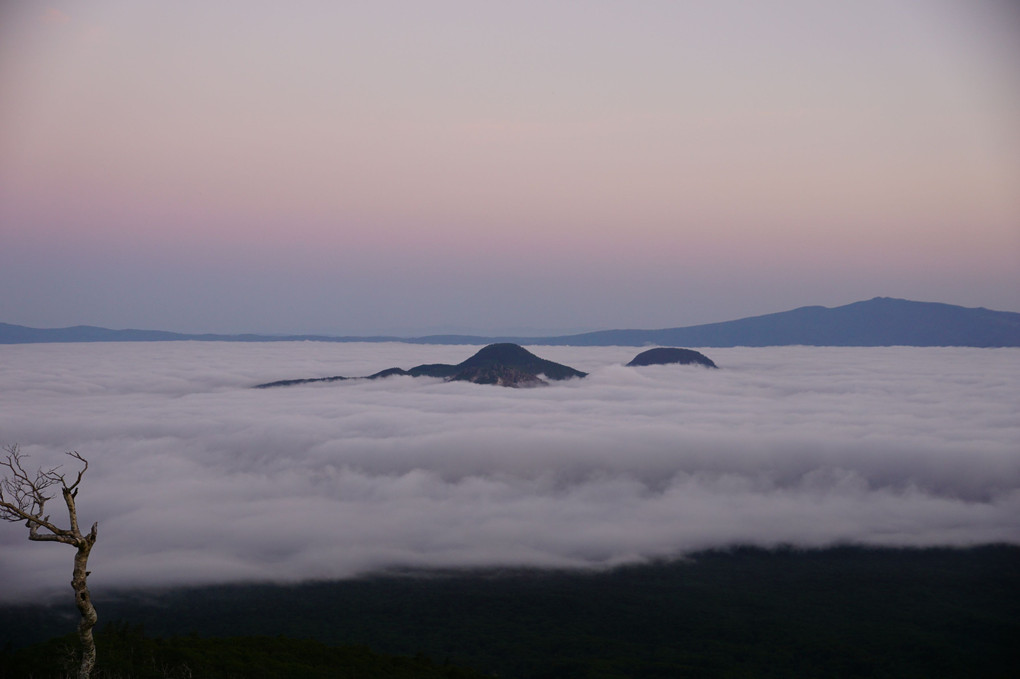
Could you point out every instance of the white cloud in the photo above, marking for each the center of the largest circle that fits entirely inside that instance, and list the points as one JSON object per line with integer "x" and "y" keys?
{"x": 198, "y": 478}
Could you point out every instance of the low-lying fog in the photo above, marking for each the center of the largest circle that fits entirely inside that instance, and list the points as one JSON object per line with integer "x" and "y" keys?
{"x": 197, "y": 478}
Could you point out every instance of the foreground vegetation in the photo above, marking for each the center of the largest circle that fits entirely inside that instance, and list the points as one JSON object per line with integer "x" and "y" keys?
{"x": 125, "y": 652}
{"x": 845, "y": 612}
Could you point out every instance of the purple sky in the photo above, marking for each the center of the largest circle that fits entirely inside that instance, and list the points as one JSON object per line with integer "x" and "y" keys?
{"x": 408, "y": 167}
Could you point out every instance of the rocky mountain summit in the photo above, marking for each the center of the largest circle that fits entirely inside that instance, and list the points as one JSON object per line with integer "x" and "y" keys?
{"x": 504, "y": 364}
{"x": 510, "y": 365}
{"x": 669, "y": 355}
{"x": 508, "y": 359}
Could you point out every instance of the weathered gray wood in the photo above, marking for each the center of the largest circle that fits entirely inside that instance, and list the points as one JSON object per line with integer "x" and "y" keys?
{"x": 23, "y": 498}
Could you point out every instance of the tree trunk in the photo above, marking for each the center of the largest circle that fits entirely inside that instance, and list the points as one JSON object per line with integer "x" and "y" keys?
{"x": 25, "y": 502}
{"x": 84, "y": 601}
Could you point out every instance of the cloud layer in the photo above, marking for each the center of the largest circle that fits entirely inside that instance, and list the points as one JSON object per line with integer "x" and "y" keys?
{"x": 198, "y": 478}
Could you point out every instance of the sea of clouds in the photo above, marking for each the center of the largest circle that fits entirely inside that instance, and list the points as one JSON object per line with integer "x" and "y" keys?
{"x": 196, "y": 478}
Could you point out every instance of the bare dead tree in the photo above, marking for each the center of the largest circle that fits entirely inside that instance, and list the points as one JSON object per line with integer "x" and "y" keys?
{"x": 23, "y": 497}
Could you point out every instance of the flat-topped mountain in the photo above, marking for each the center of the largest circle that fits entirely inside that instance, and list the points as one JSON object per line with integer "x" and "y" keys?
{"x": 670, "y": 355}
{"x": 503, "y": 364}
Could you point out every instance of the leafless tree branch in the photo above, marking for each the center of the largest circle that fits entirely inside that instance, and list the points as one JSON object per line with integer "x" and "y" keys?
{"x": 23, "y": 498}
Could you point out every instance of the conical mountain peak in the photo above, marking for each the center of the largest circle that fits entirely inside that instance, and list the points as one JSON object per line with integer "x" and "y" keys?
{"x": 504, "y": 352}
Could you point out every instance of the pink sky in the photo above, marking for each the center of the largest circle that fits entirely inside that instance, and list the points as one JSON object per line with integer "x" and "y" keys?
{"x": 407, "y": 167}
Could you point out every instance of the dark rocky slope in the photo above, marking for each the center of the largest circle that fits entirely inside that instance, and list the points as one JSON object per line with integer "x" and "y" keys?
{"x": 505, "y": 364}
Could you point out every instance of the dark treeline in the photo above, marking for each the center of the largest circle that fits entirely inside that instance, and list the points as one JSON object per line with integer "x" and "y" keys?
{"x": 842, "y": 612}
{"x": 127, "y": 652}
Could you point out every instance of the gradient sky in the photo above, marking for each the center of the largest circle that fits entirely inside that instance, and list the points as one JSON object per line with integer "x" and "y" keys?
{"x": 409, "y": 167}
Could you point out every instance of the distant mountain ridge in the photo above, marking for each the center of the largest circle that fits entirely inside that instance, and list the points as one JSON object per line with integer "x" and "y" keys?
{"x": 20, "y": 334}
{"x": 882, "y": 321}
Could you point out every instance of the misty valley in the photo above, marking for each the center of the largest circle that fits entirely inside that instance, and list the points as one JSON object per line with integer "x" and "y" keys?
{"x": 459, "y": 339}
{"x": 827, "y": 511}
